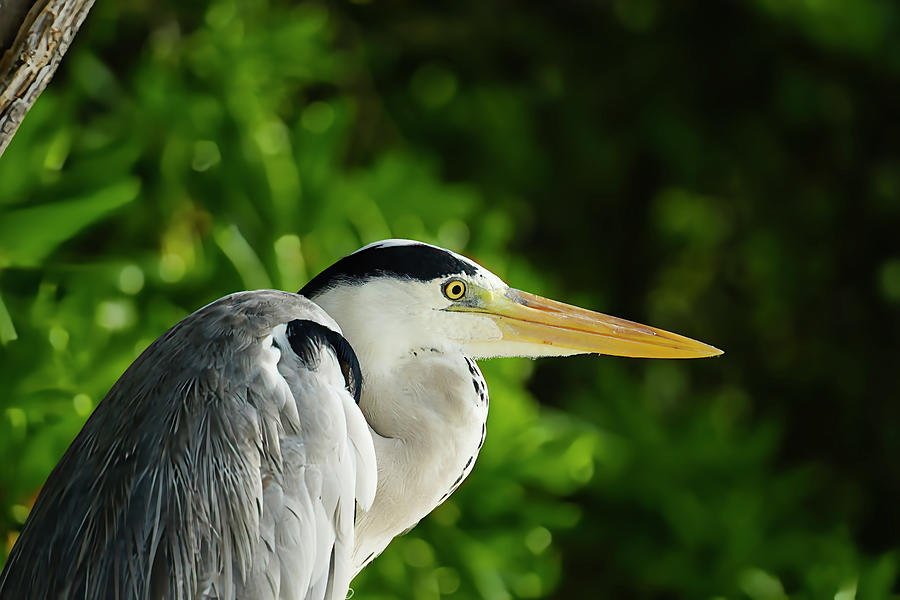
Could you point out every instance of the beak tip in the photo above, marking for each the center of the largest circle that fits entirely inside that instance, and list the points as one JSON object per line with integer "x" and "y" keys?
{"x": 713, "y": 351}
{"x": 705, "y": 351}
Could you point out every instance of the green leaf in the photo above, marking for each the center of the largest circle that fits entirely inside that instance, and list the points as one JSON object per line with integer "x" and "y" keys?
{"x": 7, "y": 329}
{"x": 28, "y": 235}
{"x": 242, "y": 256}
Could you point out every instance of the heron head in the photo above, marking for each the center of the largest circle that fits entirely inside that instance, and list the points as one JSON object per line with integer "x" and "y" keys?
{"x": 399, "y": 296}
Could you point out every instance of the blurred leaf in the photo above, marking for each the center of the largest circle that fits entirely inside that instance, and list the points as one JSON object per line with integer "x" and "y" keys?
{"x": 7, "y": 329}
{"x": 244, "y": 259}
{"x": 27, "y": 235}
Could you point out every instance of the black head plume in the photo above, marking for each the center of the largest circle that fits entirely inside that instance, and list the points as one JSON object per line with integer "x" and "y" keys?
{"x": 411, "y": 260}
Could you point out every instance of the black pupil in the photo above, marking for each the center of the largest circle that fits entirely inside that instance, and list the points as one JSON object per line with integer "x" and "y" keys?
{"x": 456, "y": 289}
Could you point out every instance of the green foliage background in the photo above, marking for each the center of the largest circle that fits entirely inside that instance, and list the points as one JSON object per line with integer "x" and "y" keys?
{"x": 726, "y": 170}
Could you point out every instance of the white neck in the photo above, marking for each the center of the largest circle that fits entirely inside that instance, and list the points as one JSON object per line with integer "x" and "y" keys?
{"x": 429, "y": 425}
{"x": 417, "y": 396}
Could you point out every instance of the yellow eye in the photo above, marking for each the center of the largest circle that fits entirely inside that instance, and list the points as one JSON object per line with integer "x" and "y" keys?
{"x": 455, "y": 289}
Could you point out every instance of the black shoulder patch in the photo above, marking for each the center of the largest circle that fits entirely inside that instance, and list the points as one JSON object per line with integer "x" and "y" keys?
{"x": 306, "y": 337}
{"x": 414, "y": 261}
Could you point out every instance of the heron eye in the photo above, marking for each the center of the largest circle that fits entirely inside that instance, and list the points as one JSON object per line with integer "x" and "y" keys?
{"x": 454, "y": 289}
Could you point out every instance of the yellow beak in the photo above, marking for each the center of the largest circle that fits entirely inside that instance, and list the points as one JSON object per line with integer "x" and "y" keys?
{"x": 526, "y": 320}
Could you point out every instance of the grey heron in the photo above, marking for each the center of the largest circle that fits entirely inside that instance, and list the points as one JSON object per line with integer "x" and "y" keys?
{"x": 271, "y": 445}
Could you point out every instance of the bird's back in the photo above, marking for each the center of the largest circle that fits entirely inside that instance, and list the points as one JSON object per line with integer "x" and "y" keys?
{"x": 225, "y": 463}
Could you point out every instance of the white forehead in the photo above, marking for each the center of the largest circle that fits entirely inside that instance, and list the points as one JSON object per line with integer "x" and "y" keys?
{"x": 394, "y": 242}
{"x": 487, "y": 276}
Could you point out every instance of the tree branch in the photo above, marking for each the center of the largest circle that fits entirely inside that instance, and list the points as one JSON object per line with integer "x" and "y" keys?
{"x": 30, "y": 62}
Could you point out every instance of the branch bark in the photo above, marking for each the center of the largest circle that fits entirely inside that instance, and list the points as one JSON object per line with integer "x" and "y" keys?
{"x": 30, "y": 61}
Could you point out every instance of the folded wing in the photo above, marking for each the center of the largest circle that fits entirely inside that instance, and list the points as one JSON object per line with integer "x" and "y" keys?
{"x": 223, "y": 464}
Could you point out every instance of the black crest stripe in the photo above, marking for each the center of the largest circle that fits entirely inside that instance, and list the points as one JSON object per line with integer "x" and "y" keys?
{"x": 414, "y": 261}
{"x": 308, "y": 337}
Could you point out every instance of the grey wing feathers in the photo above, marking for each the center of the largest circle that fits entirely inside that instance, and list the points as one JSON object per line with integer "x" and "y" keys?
{"x": 219, "y": 466}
